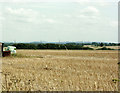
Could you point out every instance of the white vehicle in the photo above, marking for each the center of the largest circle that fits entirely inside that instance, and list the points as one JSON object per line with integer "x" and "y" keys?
{"x": 12, "y": 49}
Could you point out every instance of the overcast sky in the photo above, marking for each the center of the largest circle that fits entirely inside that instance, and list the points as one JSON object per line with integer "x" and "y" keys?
{"x": 82, "y": 20}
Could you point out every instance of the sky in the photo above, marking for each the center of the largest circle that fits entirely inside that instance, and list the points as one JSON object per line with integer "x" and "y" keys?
{"x": 53, "y": 21}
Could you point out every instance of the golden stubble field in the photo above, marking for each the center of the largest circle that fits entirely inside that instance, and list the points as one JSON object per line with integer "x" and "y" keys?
{"x": 60, "y": 70}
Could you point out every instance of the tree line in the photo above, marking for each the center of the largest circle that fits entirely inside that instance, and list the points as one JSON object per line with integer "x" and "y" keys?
{"x": 72, "y": 46}
{"x": 51, "y": 46}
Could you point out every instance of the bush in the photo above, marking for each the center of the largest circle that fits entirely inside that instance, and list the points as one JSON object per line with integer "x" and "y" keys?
{"x": 104, "y": 48}
{"x": 87, "y": 48}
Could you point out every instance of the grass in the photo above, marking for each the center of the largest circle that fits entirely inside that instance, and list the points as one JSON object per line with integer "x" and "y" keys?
{"x": 61, "y": 70}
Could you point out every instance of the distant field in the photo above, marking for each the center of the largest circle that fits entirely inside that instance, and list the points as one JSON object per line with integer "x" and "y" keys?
{"x": 114, "y": 47}
{"x": 61, "y": 70}
{"x": 96, "y": 47}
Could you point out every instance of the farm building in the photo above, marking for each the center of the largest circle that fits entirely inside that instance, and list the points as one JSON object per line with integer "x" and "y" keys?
{"x": 7, "y": 51}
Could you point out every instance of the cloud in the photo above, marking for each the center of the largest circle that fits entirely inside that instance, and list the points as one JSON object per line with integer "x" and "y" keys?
{"x": 97, "y": 0}
{"x": 101, "y": 2}
{"x": 27, "y": 15}
{"x": 90, "y": 14}
{"x": 21, "y": 11}
{"x": 21, "y": 14}
{"x": 114, "y": 23}
{"x": 1, "y": 16}
{"x": 50, "y": 21}
{"x": 90, "y": 11}
{"x": 68, "y": 15}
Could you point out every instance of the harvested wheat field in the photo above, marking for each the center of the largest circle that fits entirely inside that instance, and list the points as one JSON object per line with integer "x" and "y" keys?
{"x": 60, "y": 70}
